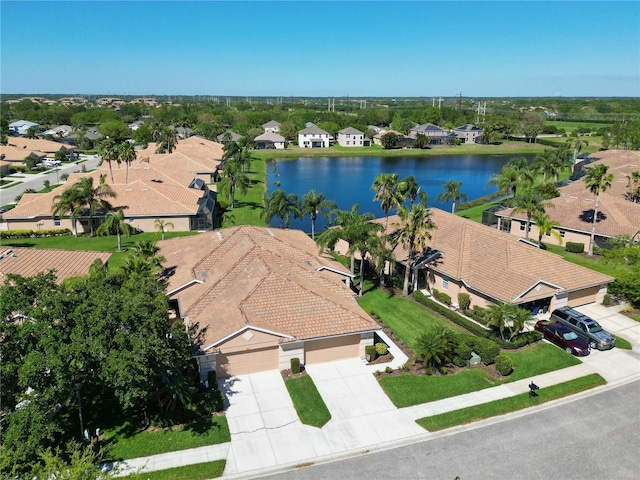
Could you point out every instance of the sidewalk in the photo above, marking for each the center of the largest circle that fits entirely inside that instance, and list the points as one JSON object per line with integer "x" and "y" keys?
{"x": 354, "y": 431}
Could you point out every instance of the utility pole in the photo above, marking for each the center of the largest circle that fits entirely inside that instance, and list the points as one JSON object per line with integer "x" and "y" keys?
{"x": 440, "y": 103}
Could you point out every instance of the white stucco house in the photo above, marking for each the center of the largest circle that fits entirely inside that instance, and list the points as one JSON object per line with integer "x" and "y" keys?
{"x": 352, "y": 137}
{"x": 271, "y": 127}
{"x": 270, "y": 140}
{"x": 20, "y": 127}
{"x": 313, "y": 137}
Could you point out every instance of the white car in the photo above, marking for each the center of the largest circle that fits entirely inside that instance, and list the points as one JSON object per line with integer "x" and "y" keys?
{"x": 51, "y": 163}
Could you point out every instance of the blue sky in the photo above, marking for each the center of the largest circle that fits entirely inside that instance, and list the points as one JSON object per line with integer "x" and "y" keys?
{"x": 306, "y": 48}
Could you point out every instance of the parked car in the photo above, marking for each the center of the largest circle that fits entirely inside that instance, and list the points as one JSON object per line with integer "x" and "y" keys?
{"x": 586, "y": 327}
{"x": 51, "y": 163}
{"x": 563, "y": 337}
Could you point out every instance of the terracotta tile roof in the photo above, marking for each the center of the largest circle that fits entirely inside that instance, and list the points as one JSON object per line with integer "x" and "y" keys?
{"x": 30, "y": 261}
{"x": 14, "y": 154}
{"x": 37, "y": 145}
{"x": 573, "y": 209}
{"x": 497, "y": 263}
{"x": 267, "y": 278}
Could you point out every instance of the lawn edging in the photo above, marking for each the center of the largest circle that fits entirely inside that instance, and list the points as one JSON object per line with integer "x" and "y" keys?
{"x": 307, "y": 401}
{"x": 511, "y": 404}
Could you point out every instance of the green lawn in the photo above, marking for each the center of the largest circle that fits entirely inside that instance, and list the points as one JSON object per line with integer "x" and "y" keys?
{"x": 407, "y": 390}
{"x": 593, "y": 263}
{"x": 511, "y": 404}
{"x": 94, "y": 244}
{"x": 307, "y": 401}
{"x": 126, "y": 442}
{"x": 249, "y": 206}
{"x": 622, "y": 343}
{"x": 199, "y": 471}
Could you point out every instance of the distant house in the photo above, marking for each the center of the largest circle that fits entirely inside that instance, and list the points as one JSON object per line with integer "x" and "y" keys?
{"x": 435, "y": 134}
{"x": 469, "y": 133}
{"x": 271, "y": 127}
{"x": 233, "y": 135}
{"x": 21, "y": 126}
{"x": 313, "y": 137}
{"x": 61, "y": 131}
{"x": 352, "y": 137}
{"x": 404, "y": 141}
{"x": 270, "y": 140}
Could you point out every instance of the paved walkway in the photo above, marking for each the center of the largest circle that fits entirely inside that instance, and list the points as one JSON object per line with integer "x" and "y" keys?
{"x": 268, "y": 437}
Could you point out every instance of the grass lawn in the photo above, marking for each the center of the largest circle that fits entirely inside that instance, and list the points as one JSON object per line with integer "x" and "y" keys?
{"x": 407, "y": 390}
{"x": 199, "y": 471}
{"x": 511, "y": 404}
{"x": 307, "y": 401}
{"x": 125, "y": 442}
{"x": 593, "y": 263}
{"x": 622, "y": 343}
{"x": 248, "y": 207}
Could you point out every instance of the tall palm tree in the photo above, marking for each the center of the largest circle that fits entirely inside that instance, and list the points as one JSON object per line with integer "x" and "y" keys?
{"x": 414, "y": 234}
{"x": 597, "y": 180}
{"x": 313, "y": 204}
{"x": 410, "y": 188}
{"x": 282, "y": 205}
{"x": 531, "y": 203}
{"x": 547, "y": 163}
{"x": 452, "y": 193}
{"x": 70, "y": 201}
{"x": 115, "y": 223}
{"x": 95, "y": 196}
{"x": 389, "y": 192}
{"x": 576, "y": 142}
{"x": 514, "y": 174}
{"x": 109, "y": 152}
{"x": 162, "y": 226}
{"x": 546, "y": 226}
{"x": 233, "y": 179}
{"x": 352, "y": 227}
{"x": 143, "y": 257}
{"x": 126, "y": 154}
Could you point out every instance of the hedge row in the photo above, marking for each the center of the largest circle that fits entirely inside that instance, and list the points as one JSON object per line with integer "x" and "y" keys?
{"x": 59, "y": 232}
{"x": 518, "y": 341}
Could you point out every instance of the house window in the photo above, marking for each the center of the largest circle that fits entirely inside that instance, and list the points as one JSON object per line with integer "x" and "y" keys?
{"x": 132, "y": 220}
{"x": 522, "y": 226}
{"x": 445, "y": 283}
{"x": 561, "y": 232}
{"x": 56, "y": 222}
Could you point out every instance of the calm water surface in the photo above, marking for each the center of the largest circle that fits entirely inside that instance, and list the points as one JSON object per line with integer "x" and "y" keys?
{"x": 348, "y": 180}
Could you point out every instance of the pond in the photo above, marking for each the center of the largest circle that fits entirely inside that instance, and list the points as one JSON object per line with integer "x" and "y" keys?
{"x": 348, "y": 180}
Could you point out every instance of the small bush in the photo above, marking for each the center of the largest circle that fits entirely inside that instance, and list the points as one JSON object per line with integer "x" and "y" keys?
{"x": 504, "y": 365}
{"x": 464, "y": 301}
{"x": 487, "y": 349}
{"x": 607, "y": 299}
{"x": 443, "y": 370}
{"x": 381, "y": 348}
{"x": 295, "y": 365}
{"x": 211, "y": 378}
{"x": 388, "y": 370}
{"x": 575, "y": 247}
{"x": 370, "y": 352}
{"x": 33, "y": 233}
{"x": 462, "y": 352}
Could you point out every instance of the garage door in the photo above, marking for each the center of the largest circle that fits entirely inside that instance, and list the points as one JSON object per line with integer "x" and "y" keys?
{"x": 582, "y": 297}
{"x": 250, "y": 361}
{"x": 329, "y": 349}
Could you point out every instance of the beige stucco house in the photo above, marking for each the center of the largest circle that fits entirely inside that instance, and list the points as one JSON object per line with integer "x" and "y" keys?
{"x": 257, "y": 297}
{"x": 352, "y": 137}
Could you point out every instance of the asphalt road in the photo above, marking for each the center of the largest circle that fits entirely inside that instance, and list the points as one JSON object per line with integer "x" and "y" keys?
{"x": 595, "y": 437}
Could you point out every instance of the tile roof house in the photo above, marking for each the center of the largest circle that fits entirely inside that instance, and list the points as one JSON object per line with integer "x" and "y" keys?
{"x": 258, "y": 297}
{"x": 28, "y": 262}
{"x": 313, "y": 137}
{"x": 233, "y": 135}
{"x": 574, "y": 208}
{"x": 60, "y": 131}
{"x": 469, "y": 133}
{"x": 271, "y": 126}
{"x": 352, "y": 137}
{"x": 171, "y": 187}
{"x": 270, "y": 140}
{"x": 436, "y": 134}
{"x": 493, "y": 266}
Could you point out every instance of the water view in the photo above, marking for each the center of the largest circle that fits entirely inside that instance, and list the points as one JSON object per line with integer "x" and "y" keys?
{"x": 348, "y": 180}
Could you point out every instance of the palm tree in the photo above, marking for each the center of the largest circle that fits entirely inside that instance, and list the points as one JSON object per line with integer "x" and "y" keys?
{"x": 546, "y": 226}
{"x": 313, "y": 204}
{"x": 143, "y": 257}
{"x": 410, "y": 188}
{"x": 530, "y": 202}
{"x": 506, "y": 317}
{"x": 436, "y": 346}
{"x": 109, "y": 152}
{"x": 115, "y": 223}
{"x": 95, "y": 197}
{"x": 233, "y": 179}
{"x": 576, "y": 143}
{"x": 280, "y": 204}
{"x": 547, "y": 163}
{"x": 162, "y": 226}
{"x": 352, "y": 227}
{"x": 597, "y": 179}
{"x": 633, "y": 184}
{"x": 126, "y": 154}
{"x": 70, "y": 201}
{"x": 389, "y": 192}
{"x": 414, "y": 234}
{"x": 513, "y": 175}
{"x": 452, "y": 192}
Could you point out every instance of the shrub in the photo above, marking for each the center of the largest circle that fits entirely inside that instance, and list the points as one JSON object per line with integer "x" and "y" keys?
{"x": 575, "y": 247}
{"x": 464, "y": 301}
{"x": 487, "y": 349}
{"x": 444, "y": 298}
{"x": 479, "y": 314}
{"x": 504, "y": 365}
{"x": 211, "y": 378}
{"x": 33, "y": 233}
{"x": 370, "y": 352}
{"x": 295, "y": 365}
{"x": 462, "y": 352}
{"x": 443, "y": 370}
{"x": 381, "y": 348}
{"x": 607, "y": 299}
{"x": 18, "y": 168}
{"x": 388, "y": 370}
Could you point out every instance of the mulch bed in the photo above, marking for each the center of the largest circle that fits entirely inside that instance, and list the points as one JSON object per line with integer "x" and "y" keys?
{"x": 287, "y": 374}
